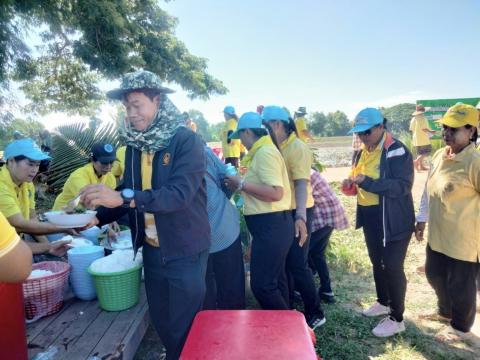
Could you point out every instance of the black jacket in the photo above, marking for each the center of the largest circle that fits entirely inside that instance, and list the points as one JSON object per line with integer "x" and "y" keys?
{"x": 178, "y": 198}
{"x": 394, "y": 188}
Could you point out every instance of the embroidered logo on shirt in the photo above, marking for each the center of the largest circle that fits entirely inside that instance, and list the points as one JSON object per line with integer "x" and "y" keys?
{"x": 166, "y": 159}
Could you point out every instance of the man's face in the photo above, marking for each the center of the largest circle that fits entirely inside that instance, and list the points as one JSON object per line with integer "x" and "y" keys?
{"x": 140, "y": 109}
{"x": 102, "y": 168}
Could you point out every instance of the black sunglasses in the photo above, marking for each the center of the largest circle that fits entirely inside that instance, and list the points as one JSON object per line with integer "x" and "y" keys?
{"x": 367, "y": 132}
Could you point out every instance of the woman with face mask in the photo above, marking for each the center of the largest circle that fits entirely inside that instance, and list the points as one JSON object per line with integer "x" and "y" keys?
{"x": 450, "y": 204}
{"x": 266, "y": 192}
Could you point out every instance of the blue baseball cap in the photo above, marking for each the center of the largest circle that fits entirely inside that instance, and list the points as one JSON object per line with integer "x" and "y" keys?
{"x": 25, "y": 147}
{"x": 249, "y": 120}
{"x": 273, "y": 112}
{"x": 230, "y": 110}
{"x": 366, "y": 119}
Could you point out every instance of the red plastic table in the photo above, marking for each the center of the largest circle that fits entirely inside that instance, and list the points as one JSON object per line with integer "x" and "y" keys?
{"x": 249, "y": 334}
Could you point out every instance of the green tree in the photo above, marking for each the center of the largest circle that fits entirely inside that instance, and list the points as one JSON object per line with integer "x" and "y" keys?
{"x": 317, "y": 123}
{"x": 399, "y": 117}
{"x": 215, "y": 131}
{"x": 337, "y": 124}
{"x": 202, "y": 124}
{"x": 83, "y": 41}
{"x": 28, "y": 127}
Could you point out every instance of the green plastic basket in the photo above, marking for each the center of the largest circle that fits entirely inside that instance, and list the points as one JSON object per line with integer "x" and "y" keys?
{"x": 119, "y": 290}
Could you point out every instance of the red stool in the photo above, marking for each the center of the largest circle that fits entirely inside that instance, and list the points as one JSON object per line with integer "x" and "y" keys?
{"x": 249, "y": 334}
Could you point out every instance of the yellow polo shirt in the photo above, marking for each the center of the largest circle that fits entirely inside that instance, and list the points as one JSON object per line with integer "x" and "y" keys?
{"x": 267, "y": 168}
{"x": 419, "y": 137}
{"x": 15, "y": 199}
{"x": 453, "y": 190}
{"x": 369, "y": 165}
{"x": 78, "y": 180}
{"x": 232, "y": 149}
{"x": 301, "y": 125}
{"x": 119, "y": 164}
{"x": 151, "y": 236}
{"x": 298, "y": 160}
{"x": 8, "y": 237}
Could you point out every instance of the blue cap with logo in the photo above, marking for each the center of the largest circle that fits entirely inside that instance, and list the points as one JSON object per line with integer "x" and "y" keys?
{"x": 25, "y": 147}
{"x": 249, "y": 120}
{"x": 230, "y": 110}
{"x": 105, "y": 153}
{"x": 366, "y": 119}
{"x": 273, "y": 112}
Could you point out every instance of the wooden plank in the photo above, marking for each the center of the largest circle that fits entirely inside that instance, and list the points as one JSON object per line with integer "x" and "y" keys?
{"x": 112, "y": 344}
{"x": 91, "y": 337}
{"x": 76, "y": 331}
{"x": 35, "y": 328}
{"x": 49, "y": 334}
{"x": 136, "y": 334}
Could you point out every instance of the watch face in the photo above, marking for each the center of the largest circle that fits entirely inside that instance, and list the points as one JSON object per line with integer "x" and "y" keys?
{"x": 128, "y": 193}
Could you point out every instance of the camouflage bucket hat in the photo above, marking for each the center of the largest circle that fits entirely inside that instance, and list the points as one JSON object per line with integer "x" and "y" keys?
{"x": 142, "y": 79}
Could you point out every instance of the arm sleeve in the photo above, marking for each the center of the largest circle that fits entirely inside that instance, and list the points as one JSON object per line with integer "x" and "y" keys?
{"x": 401, "y": 181}
{"x": 185, "y": 179}
{"x": 301, "y": 198}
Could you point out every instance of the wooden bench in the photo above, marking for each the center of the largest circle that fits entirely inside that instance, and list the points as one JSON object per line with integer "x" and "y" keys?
{"x": 81, "y": 330}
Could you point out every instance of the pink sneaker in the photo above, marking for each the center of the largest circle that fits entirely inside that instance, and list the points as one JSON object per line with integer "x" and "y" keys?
{"x": 388, "y": 327}
{"x": 376, "y": 309}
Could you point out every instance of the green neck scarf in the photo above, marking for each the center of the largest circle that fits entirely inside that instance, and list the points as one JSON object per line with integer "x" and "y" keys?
{"x": 158, "y": 135}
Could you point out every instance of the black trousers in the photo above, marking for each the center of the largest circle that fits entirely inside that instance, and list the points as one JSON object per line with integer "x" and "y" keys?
{"x": 225, "y": 279}
{"x": 318, "y": 244}
{"x": 175, "y": 292}
{"x": 298, "y": 268}
{"x": 272, "y": 235}
{"x": 454, "y": 282}
{"x": 387, "y": 261}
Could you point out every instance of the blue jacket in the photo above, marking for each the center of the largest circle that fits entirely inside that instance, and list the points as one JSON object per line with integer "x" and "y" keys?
{"x": 394, "y": 188}
{"x": 177, "y": 199}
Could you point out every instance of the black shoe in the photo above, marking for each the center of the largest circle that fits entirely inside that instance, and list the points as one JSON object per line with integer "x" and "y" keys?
{"x": 326, "y": 298}
{"x": 316, "y": 321}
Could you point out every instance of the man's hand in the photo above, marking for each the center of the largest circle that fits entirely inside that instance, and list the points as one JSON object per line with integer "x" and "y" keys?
{"x": 93, "y": 196}
{"x": 347, "y": 183}
{"x": 359, "y": 179}
{"x": 419, "y": 230}
{"x": 59, "y": 248}
{"x": 301, "y": 231}
{"x": 232, "y": 182}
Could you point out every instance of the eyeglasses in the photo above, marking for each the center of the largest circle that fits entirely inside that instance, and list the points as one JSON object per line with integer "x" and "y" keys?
{"x": 367, "y": 132}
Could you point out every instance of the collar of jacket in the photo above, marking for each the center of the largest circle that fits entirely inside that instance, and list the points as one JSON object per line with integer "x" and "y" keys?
{"x": 389, "y": 140}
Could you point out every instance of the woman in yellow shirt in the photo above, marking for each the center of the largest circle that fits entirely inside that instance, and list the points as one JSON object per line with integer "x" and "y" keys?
{"x": 453, "y": 196}
{"x": 17, "y": 197}
{"x": 15, "y": 255}
{"x": 230, "y": 147}
{"x": 298, "y": 160}
{"x": 266, "y": 192}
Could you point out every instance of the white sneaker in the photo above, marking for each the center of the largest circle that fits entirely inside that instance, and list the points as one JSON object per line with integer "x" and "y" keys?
{"x": 388, "y": 327}
{"x": 376, "y": 309}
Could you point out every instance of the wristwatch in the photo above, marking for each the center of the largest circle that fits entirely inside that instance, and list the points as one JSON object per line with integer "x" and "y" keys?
{"x": 127, "y": 196}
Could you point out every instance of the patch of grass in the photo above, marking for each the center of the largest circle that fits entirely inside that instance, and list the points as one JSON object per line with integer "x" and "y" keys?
{"x": 347, "y": 334}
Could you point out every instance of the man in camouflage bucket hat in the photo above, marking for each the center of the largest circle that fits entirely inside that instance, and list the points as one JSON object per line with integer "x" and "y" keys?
{"x": 164, "y": 194}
